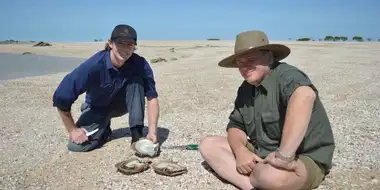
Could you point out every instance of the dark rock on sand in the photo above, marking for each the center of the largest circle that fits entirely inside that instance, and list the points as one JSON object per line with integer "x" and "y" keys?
{"x": 41, "y": 44}
{"x": 156, "y": 60}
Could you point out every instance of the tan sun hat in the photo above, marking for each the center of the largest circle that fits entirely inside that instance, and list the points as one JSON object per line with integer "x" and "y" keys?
{"x": 254, "y": 40}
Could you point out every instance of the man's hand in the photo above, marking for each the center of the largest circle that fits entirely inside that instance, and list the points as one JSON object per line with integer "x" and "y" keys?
{"x": 152, "y": 136}
{"x": 246, "y": 161}
{"x": 78, "y": 135}
{"x": 281, "y": 164}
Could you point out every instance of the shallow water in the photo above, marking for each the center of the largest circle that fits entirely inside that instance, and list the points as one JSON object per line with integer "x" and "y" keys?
{"x": 17, "y": 66}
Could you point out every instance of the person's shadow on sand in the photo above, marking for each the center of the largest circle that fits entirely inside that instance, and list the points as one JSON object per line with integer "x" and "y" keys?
{"x": 162, "y": 133}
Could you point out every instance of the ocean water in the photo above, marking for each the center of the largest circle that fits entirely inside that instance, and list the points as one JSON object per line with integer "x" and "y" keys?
{"x": 17, "y": 66}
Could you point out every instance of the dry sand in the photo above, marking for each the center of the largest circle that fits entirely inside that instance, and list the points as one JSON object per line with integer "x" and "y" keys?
{"x": 196, "y": 97}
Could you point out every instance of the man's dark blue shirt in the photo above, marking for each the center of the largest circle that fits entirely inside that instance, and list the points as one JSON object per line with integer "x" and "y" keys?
{"x": 102, "y": 81}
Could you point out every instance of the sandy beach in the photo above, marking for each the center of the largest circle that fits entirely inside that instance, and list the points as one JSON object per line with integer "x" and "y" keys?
{"x": 196, "y": 97}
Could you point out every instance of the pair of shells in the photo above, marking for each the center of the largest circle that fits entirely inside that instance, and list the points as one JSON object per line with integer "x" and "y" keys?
{"x": 146, "y": 147}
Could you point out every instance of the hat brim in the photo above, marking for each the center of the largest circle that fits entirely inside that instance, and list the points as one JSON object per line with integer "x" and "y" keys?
{"x": 126, "y": 39}
{"x": 280, "y": 52}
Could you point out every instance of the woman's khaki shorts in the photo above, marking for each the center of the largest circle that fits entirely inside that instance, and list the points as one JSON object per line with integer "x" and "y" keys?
{"x": 315, "y": 171}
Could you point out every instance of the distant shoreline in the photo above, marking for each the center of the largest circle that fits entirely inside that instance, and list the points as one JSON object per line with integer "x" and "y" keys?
{"x": 87, "y": 49}
{"x": 16, "y": 42}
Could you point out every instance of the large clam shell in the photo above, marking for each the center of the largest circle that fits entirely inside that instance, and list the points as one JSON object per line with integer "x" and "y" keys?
{"x": 146, "y": 147}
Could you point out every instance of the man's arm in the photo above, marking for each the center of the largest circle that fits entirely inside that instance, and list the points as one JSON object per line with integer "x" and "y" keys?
{"x": 237, "y": 140}
{"x": 67, "y": 120}
{"x": 299, "y": 94}
{"x": 153, "y": 114}
{"x": 236, "y": 136}
{"x": 151, "y": 94}
{"x": 72, "y": 85}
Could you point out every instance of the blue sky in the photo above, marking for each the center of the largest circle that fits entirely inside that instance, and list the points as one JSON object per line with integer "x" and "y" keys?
{"x": 85, "y": 20}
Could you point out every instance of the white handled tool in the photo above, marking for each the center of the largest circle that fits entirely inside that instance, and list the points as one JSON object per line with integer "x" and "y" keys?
{"x": 91, "y": 132}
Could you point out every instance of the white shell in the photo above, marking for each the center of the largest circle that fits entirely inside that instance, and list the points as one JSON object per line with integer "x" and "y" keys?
{"x": 146, "y": 147}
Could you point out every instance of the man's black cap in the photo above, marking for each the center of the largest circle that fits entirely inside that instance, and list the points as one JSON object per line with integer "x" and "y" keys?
{"x": 125, "y": 32}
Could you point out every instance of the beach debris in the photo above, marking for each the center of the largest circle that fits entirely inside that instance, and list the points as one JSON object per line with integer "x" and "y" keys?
{"x": 27, "y": 53}
{"x": 41, "y": 44}
{"x": 159, "y": 59}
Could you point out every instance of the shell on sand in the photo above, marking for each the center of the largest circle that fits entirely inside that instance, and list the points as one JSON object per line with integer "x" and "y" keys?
{"x": 146, "y": 147}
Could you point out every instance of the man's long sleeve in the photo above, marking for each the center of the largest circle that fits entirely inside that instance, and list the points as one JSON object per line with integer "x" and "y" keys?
{"x": 72, "y": 85}
{"x": 149, "y": 82}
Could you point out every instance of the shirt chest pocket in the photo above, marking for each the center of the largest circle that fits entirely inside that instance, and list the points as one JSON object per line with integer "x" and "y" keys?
{"x": 271, "y": 124}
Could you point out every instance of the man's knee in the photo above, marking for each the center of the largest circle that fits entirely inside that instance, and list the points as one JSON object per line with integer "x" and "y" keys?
{"x": 210, "y": 144}
{"x": 135, "y": 86}
{"x": 266, "y": 176}
{"x": 84, "y": 147}
{"x": 136, "y": 80}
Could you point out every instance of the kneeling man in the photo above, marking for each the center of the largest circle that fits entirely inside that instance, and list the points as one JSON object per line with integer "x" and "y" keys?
{"x": 279, "y": 135}
{"x": 116, "y": 81}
